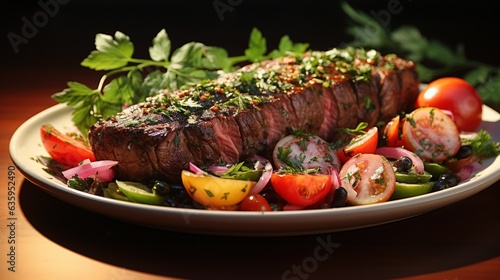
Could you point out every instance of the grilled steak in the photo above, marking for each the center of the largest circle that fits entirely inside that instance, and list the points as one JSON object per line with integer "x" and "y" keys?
{"x": 245, "y": 113}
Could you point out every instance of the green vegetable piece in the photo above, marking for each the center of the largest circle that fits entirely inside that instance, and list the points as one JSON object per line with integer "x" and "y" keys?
{"x": 413, "y": 178}
{"x": 404, "y": 190}
{"x": 77, "y": 183}
{"x": 113, "y": 192}
{"x": 241, "y": 172}
{"x": 250, "y": 175}
{"x": 139, "y": 193}
{"x": 436, "y": 169}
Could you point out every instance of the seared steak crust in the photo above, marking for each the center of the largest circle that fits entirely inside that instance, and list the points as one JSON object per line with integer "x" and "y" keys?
{"x": 245, "y": 113}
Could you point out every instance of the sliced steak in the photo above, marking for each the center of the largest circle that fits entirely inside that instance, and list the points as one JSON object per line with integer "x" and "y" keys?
{"x": 368, "y": 103}
{"x": 245, "y": 113}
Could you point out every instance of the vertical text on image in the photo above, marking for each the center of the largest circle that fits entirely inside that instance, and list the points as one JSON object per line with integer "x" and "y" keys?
{"x": 11, "y": 218}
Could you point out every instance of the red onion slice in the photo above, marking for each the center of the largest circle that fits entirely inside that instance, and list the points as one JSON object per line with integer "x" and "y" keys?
{"x": 397, "y": 152}
{"x": 264, "y": 179}
{"x": 105, "y": 175}
{"x": 195, "y": 169}
{"x": 101, "y": 169}
{"x": 449, "y": 113}
{"x": 467, "y": 170}
{"x": 336, "y": 183}
{"x": 217, "y": 169}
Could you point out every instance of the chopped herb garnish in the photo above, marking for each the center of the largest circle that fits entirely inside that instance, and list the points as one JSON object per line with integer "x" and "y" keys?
{"x": 482, "y": 145}
{"x": 187, "y": 76}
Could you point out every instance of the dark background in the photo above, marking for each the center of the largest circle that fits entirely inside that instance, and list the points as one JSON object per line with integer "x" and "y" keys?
{"x": 53, "y": 55}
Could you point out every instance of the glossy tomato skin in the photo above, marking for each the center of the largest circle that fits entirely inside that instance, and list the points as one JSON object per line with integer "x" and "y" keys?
{"x": 255, "y": 202}
{"x": 63, "y": 148}
{"x": 368, "y": 179}
{"x": 361, "y": 144}
{"x": 215, "y": 192}
{"x": 392, "y": 134}
{"x": 431, "y": 134}
{"x": 301, "y": 189}
{"x": 455, "y": 95}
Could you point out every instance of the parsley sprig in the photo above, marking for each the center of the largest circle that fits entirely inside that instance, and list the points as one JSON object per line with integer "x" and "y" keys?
{"x": 482, "y": 145}
{"x": 129, "y": 80}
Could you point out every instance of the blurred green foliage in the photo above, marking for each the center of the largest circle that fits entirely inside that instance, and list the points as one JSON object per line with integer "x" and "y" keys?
{"x": 434, "y": 58}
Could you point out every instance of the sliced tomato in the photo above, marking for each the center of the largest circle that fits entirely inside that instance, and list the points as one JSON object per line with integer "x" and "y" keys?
{"x": 63, "y": 148}
{"x": 431, "y": 134}
{"x": 392, "y": 132}
{"x": 368, "y": 179}
{"x": 303, "y": 151}
{"x": 212, "y": 191}
{"x": 365, "y": 143}
{"x": 301, "y": 189}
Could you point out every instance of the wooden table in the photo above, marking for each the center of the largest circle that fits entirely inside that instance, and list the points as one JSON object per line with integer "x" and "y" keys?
{"x": 56, "y": 240}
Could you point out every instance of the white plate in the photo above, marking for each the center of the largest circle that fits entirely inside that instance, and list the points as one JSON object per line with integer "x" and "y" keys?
{"x": 25, "y": 146}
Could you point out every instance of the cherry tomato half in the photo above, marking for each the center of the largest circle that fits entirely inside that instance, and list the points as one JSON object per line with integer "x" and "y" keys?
{"x": 431, "y": 134}
{"x": 361, "y": 144}
{"x": 301, "y": 189}
{"x": 212, "y": 191}
{"x": 455, "y": 95}
{"x": 392, "y": 132}
{"x": 255, "y": 202}
{"x": 64, "y": 148}
{"x": 368, "y": 179}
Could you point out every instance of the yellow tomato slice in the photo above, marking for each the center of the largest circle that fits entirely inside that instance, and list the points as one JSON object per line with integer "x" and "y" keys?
{"x": 214, "y": 191}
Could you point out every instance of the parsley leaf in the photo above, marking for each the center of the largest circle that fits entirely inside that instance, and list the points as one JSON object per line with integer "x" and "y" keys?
{"x": 286, "y": 46}
{"x": 110, "y": 53}
{"x": 160, "y": 51}
{"x": 482, "y": 145}
{"x": 257, "y": 46}
{"x": 82, "y": 98}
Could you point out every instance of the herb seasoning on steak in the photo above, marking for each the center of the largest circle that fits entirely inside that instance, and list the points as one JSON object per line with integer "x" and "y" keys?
{"x": 245, "y": 113}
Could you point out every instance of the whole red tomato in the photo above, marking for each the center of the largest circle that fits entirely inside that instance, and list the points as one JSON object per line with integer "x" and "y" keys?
{"x": 455, "y": 95}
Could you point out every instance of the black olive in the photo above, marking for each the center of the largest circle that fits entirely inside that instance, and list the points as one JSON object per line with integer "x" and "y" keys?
{"x": 403, "y": 164}
{"x": 339, "y": 197}
{"x": 452, "y": 178}
{"x": 440, "y": 185}
{"x": 464, "y": 152}
{"x": 178, "y": 197}
{"x": 276, "y": 206}
{"x": 270, "y": 195}
{"x": 162, "y": 188}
